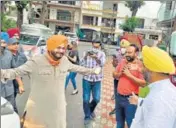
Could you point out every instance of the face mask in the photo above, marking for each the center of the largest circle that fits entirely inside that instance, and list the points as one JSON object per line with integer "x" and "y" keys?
{"x": 123, "y": 51}
{"x": 129, "y": 58}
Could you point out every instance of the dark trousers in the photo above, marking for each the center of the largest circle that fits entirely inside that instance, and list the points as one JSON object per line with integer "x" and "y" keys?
{"x": 115, "y": 86}
{"x": 124, "y": 111}
{"x": 12, "y": 100}
{"x": 95, "y": 89}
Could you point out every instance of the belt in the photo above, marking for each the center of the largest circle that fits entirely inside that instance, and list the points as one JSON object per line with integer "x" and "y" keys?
{"x": 126, "y": 95}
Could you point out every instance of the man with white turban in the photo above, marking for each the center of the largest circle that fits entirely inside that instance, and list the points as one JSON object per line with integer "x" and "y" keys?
{"x": 158, "y": 109}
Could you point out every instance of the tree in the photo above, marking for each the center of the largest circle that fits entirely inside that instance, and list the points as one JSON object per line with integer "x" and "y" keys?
{"x": 7, "y": 23}
{"x": 134, "y": 6}
{"x": 130, "y": 24}
{"x": 43, "y": 12}
{"x": 21, "y": 5}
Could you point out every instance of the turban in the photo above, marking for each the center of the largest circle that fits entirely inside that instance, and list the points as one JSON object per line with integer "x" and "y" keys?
{"x": 4, "y": 36}
{"x": 157, "y": 60}
{"x": 55, "y": 41}
{"x": 124, "y": 43}
{"x": 13, "y": 31}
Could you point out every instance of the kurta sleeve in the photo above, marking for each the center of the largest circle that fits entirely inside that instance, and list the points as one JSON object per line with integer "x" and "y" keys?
{"x": 25, "y": 69}
{"x": 81, "y": 69}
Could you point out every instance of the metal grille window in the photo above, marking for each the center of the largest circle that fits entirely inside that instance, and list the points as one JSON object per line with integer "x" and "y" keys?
{"x": 63, "y": 15}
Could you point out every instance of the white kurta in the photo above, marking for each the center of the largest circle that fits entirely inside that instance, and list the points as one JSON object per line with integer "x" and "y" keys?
{"x": 47, "y": 105}
{"x": 158, "y": 109}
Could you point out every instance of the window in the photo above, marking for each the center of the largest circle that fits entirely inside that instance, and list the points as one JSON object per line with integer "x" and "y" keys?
{"x": 63, "y": 15}
{"x": 115, "y": 7}
{"x": 154, "y": 37}
{"x": 28, "y": 39}
{"x": 67, "y": 2}
{"x": 88, "y": 20}
{"x": 96, "y": 21}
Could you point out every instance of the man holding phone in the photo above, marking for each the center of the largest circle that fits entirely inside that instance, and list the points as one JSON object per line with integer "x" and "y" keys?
{"x": 92, "y": 83}
{"x": 129, "y": 73}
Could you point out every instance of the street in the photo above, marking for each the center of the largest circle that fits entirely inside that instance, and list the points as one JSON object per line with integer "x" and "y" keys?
{"x": 75, "y": 115}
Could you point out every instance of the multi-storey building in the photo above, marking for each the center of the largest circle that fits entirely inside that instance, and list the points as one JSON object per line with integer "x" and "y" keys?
{"x": 94, "y": 18}
{"x": 167, "y": 15}
{"x": 62, "y": 15}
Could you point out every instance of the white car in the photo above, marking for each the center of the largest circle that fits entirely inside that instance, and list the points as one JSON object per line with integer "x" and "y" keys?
{"x": 72, "y": 37}
{"x": 9, "y": 118}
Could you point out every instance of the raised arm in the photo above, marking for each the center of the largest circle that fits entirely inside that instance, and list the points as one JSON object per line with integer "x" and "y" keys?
{"x": 83, "y": 70}
{"x": 25, "y": 69}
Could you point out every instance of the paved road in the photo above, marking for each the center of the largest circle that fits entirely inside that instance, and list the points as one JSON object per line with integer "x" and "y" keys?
{"x": 74, "y": 103}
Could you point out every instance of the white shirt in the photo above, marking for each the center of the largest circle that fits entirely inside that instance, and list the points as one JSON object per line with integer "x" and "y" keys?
{"x": 158, "y": 109}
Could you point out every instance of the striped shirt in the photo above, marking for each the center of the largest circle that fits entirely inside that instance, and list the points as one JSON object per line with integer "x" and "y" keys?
{"x": 92, "y": 63}
{"x": 119, "y": 56}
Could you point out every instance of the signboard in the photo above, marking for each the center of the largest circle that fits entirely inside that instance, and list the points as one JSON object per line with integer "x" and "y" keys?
{"x": 96, "y": 5}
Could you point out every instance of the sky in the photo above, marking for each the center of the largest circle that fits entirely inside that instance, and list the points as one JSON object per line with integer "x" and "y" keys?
{"x": 149, "y": 10}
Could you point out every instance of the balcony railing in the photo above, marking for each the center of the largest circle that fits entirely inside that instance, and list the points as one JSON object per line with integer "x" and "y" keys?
{"x": 165, "y": 14}
{"x": 64, "y": 18}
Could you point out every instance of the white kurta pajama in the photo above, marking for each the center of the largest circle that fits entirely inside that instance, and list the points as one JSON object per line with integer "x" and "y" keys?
{"x": 158, "y": 109}
{"x": 47, "y": 107}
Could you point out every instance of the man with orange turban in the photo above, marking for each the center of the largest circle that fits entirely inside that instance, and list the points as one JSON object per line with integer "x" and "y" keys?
{"x": 46, "y": 107}
{"x": 158, "y": 109}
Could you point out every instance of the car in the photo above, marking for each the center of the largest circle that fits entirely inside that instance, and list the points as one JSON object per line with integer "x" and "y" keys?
{"x": 72, "y": 37}
{"x": 33, "y": 38}
{"x": 9, "y": 118}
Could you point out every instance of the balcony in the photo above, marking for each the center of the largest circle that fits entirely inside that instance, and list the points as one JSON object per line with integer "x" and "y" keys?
{"x": 165, "y": 13}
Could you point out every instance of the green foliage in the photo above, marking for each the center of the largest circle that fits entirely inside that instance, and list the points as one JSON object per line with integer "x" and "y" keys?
{"x": 130, "y": 24}
{"x": 7, "y": 23}
{"x": 21, "y": 4}
{"x": 134, "y": 6}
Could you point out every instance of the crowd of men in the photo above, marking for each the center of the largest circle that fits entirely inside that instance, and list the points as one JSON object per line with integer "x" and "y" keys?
{"x": 46, "y": 107}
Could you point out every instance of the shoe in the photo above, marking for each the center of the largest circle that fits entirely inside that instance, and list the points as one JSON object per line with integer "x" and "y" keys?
{"x": 113, "y": 97}
{"x": 93, "y": 116}
{"x": 75, "y": 92}
{"x": 87, "y": 122}
{"x": 112, "y": 112}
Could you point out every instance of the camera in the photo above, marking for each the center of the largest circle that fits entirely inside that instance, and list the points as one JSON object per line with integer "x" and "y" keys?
{"x": 92, "y": 52}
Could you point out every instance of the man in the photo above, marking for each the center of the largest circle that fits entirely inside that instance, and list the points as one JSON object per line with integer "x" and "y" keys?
{"x": 92, "y": 83}
{"x": 14, "y": 33}
{"x": 19, "y": 58}
{"x": 47, "y": 105}
{"x": 157, "y": 110}
{"x": 129, "y": 73}
{"x": 116, "y": 60}
{"x": 7, "y": 89}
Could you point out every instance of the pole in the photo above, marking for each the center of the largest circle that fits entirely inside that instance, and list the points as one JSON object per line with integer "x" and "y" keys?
{"x": 171, "y": 23}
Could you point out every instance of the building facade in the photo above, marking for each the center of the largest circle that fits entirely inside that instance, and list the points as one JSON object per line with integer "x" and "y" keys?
{"x": 61, "y": 15}
{"x": 167, "y": 15}
{"x": 94, "y": 18}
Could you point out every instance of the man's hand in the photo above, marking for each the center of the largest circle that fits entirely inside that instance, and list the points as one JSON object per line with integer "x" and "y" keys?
{"x": 133, "y": 99}
{"x": 21, "y": 89}
{"x": 114, "y": 74}
{"x": 126, "y": 71}
{"x": 94, "y": 56}
{"x": 97, "y": 70}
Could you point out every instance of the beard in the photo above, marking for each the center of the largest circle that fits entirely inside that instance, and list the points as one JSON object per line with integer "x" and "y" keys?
{"x": 147, "y": 77}
{"x": 130, "y": 59}
{"x": 56, "y": 56}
